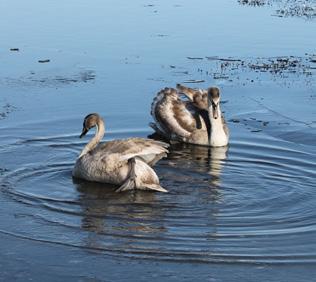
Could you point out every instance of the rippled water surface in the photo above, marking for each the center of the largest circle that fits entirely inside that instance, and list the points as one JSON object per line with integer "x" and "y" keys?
{"x": 241, "y": 213}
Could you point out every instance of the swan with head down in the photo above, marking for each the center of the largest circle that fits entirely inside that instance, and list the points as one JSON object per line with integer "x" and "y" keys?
{"x": 126, "y": 162}
{"x": 197, "y": 121}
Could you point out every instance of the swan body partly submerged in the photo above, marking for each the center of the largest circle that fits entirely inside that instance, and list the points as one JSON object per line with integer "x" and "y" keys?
{"x": 124, "y": 162}
{"x": 197, "y": 121}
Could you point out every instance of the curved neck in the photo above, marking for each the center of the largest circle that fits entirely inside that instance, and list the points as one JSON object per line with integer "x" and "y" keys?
{"x": 217, "y": 136}
{"x": 100, "y": 130}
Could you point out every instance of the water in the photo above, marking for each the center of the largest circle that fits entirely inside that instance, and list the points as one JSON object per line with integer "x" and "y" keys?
{"x": 239, "y": 213}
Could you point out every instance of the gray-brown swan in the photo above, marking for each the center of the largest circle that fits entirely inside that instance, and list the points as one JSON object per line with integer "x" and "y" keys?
{"x": 197, "y": 121}
{"x": 124, "y": 162}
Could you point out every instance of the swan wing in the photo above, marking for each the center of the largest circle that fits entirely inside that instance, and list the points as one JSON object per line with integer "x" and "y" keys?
{"x": 177, "y": 119}
{"x": 197, "y": 96}
{"x": 148, "y": 150}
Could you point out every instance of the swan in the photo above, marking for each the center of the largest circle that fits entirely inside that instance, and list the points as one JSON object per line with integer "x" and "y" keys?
{"x": 121, "y": 162}
{"x": 197, "y": 121}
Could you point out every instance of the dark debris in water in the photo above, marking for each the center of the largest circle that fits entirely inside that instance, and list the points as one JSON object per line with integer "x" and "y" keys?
{"x": 14, "y": 49}
{"x": 84, "y": 76}
{"x": 6, "y": 110}
{"x": 287, "y": 8}
{"x": 35, "y": 80}
{"x": 253, "y": 124}
{"x": 306, "y": 9}
{"x": 44, "y": 61}
{"x": 234, "y": 120}
{"x": 276, "y": 65}
{"x": 195, "y": 58}
{"x": 224, "y": 59}
{"x": 194, "y": 81}
{"x": 250, "y": 70}
{"x": 152, "y": 6}
{"x": 253, "y": 2}
{"x": 162, "y": 35}
{"x": 313, "y": 59}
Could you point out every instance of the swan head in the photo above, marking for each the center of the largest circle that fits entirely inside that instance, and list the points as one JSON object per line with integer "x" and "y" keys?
{"x": 89, "y": 122}
{"x": 213, "y": 101}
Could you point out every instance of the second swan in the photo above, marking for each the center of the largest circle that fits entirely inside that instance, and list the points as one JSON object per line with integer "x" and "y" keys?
{"x": 198, "y": 120}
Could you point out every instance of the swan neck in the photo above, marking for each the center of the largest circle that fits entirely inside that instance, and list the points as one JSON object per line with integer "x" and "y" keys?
{"x": 217, "y": 135}
{"x": 217, "y": 123}
{"x": 100, "y": 130}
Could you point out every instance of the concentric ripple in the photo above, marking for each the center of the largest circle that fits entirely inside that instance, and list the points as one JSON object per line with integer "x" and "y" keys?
{"x": 253, "y": 202}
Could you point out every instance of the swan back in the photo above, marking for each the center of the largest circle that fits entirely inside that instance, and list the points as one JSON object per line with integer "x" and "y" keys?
{"x": 199, "y": 97}
{"x": 174, "y": 117}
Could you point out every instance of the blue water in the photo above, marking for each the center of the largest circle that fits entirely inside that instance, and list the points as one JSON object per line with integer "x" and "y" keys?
{"x": 245, "y": 212}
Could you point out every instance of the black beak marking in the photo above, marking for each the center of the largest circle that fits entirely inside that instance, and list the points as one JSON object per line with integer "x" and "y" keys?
{"x": 214, "y": 110}
{"x": 84, "y": 132}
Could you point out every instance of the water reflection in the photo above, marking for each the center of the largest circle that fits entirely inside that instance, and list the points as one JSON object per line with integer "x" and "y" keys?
{"x": 210, "y": 209}
{"x": 132, "y": 215}
{"x": 200, "y": 169}
{"x": 210, "y": 160}
{"x": 139, "y": 221}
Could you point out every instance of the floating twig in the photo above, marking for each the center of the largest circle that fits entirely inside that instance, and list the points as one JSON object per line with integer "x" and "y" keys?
{"x": 44, "y": 61}
{"x": 194, "y": 81}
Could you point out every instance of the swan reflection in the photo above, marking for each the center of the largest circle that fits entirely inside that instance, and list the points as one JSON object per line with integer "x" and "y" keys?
{"x": 209, "y": 160}
{"x": 109, "y": 214}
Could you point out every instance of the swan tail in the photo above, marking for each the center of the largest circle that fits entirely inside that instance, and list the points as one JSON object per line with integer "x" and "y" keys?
{"x": 155, "y": 187}
{"x": 129, "y": 184}
{"x": 132, "y": 182}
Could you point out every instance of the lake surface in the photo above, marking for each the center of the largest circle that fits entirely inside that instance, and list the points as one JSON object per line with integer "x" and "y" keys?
{"x": 242, "y": 213}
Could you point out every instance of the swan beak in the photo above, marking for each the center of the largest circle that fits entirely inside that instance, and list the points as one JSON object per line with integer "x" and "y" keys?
{"x": 83, "y": 133}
